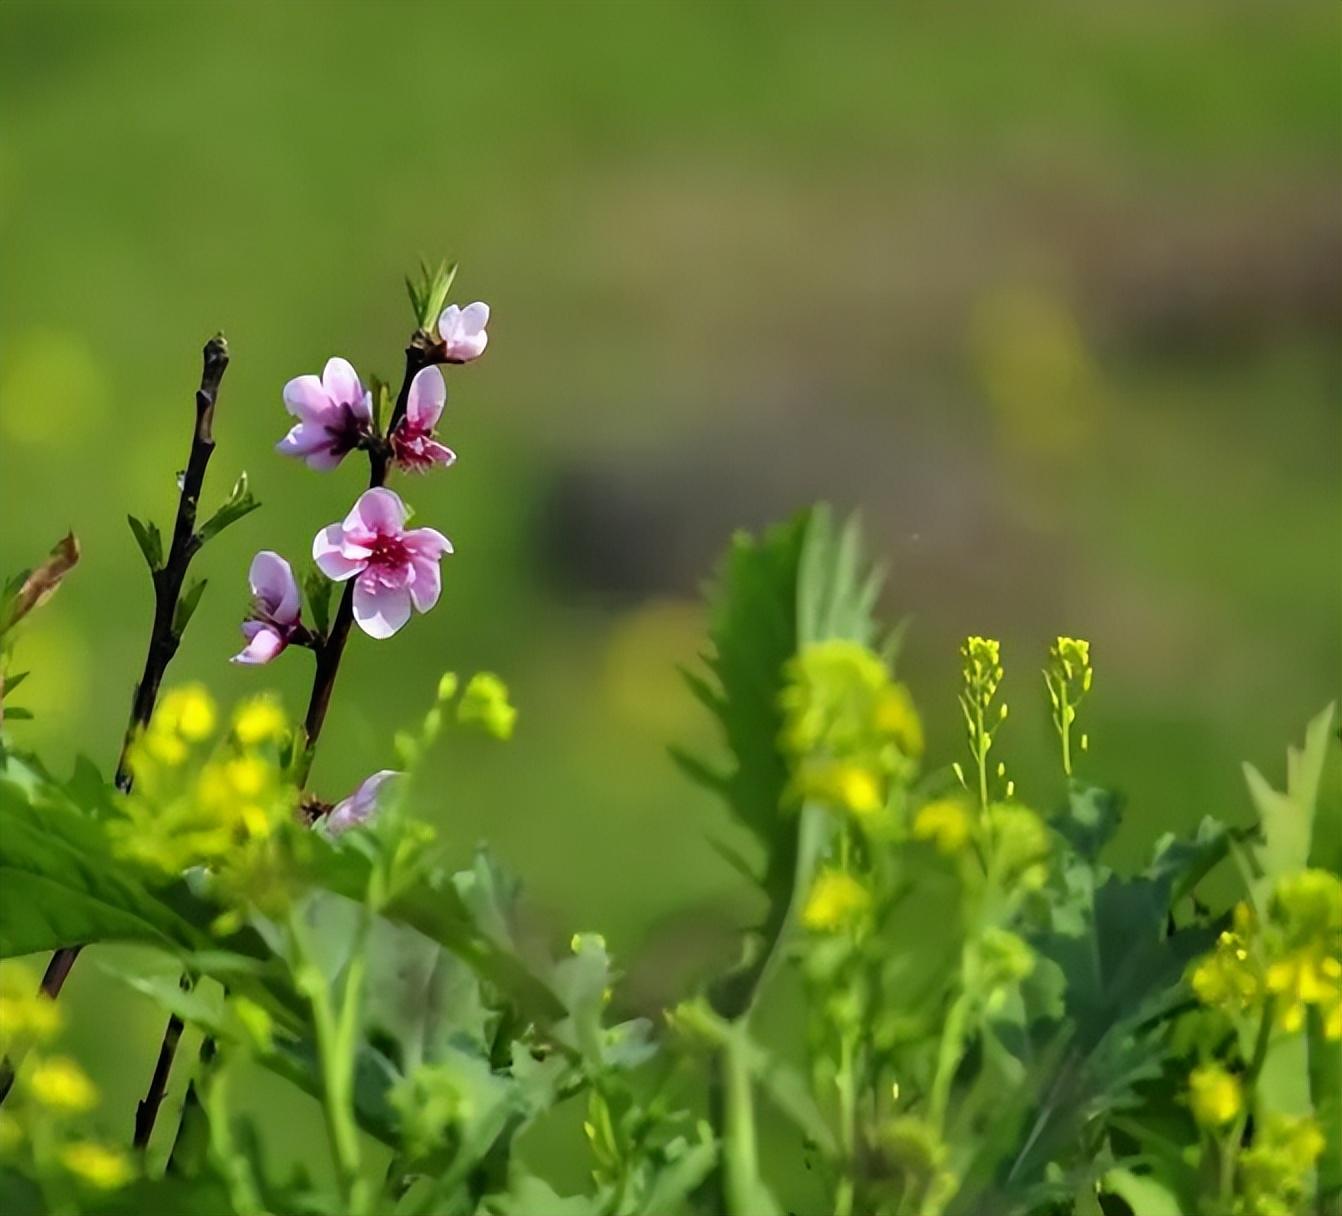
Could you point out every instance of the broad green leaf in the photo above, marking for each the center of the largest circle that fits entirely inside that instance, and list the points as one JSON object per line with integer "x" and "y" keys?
{"x": 60, "y": 884}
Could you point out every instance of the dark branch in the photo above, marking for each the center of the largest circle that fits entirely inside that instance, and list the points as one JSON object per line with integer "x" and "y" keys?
{"x": 163, "y": 637}
{"x": 168, "y": 581}
{"x": 421, "y": 352}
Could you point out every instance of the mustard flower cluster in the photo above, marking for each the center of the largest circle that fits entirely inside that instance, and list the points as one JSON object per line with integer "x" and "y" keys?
{"x": 1068, "y": 678}
{"x": 1293, "y": 956}
{"x": 848, "y": 727}
{"x": 982, "y": 674}
{"x": 221, "y": 800}
{"x": 43, "y": 1126}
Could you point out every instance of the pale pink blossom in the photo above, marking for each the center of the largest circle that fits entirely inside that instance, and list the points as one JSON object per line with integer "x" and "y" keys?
{"x": 360, "y": 806}
{"x": 276, "y": 605}
{"x": 462, "y": 331}
{"x": 412, "y": 442}
{"x": 334, "y": 412}
{"x": 394, "y": 569}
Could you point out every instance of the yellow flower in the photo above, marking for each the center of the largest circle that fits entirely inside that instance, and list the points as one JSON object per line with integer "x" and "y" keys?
{"x": 59, "y": 1083}
{"x": 837, "y": 899}
{"x": 1214, "y": 1095}
{"x": 187, "y": 711}
{"x": 945, "y": 822}
{"x": 247, "y": 775}
{"x": 259, "y": 721}
{"x": 896, "y": 717}
{"x": 98, "y": 1166}
{"x": 846, "y": 786}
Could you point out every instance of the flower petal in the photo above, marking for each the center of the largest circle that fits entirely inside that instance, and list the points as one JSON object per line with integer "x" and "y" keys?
{"x": 379, "y": 511}
{"x": 427, "y": 585}
{"x": 273, "y": 583}
{"x": 306, "y": 398}
{"x": 427, "y": 543}
{"x": 380, "y": 610}
{"x": 428, "y": 395}
{"x": 342, "y": 382}
{"x": 263, "y": 644}
{"x": 303, "y": 439}
{"x": 474, "y": 318}
{"x": 326, "y": 552}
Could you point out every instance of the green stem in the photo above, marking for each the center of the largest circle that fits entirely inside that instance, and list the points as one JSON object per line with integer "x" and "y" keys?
{"x": 740, "y": 1159}
{"x": 1064, "y": 728}
{"x": 1230, "y": 1145}
{"x": 845, "y": 1081}
{"x": 336, "y": 1058}
{"x": 948, "y": 1059}
{"x": 981, "y": 754}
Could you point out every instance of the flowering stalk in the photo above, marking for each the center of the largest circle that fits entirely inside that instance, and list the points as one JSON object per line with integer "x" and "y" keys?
{"x": 419, "y": 354}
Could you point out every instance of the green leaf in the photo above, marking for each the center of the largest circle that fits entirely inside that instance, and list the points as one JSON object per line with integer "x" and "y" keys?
{"x": 238, "y": 504}
{"x": 147, "y": 536}
{"x": 60, "y": 884}
{"x": 1090, "y": 819}
{"x": 16, "y": 713}
{"x": 802, "y": 582}
{"x": 317, "y": 588}
{"x": 186, "y": 606}
{"x": 1142, "y": 1193}
{"x": 12, "y": 682}
{"x": 1287, "y": 817}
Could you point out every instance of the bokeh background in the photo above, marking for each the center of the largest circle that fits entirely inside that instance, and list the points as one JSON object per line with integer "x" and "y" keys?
{"x": 1050, "y": 291}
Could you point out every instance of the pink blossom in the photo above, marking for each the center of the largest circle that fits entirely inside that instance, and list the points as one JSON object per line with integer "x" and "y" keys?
{"x": 360, "y": 806}
{"x": 463, "y": 331}
{"x": 394, "y": 569}
{"x": 334, "y": 413}
{"x": 275, "y": 609}
{"x": 412, "y": 442}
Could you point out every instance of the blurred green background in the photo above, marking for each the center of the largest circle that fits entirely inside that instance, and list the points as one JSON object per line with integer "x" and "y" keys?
{"x": 1050, "y": 291}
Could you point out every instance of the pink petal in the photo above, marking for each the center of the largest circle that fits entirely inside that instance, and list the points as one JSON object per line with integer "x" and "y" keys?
{"x": 326, "y": 552}
{"x": 449, "y": 322}
{"x": 303, "y": 439}
{"x": 306, "y": 398}
{"x": 362, "y": 409}
{"x": 324, "y": 459}
{"x": 361, "y": 805}
{"x": 427, "y": 585}
{"x": 341, "y": 382}
{"x": 435, "y": 452}
{"x": 263, "y": 644}
{"x": 379, "y": 610}
{"x": 428, "y": 395}
{"x": 380, "y": 511}
{"x": 273, "y": 583}
{"x": 427, "y": 543}
{"x": 474, "y": 318}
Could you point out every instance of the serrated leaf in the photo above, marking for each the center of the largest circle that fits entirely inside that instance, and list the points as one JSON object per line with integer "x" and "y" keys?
{"x": 186, "y": 606}
{"x": 12, "y": 682}
{"x": 1287, "y": 816}
{"x": 239, "y": 503}
{"x": 149, "y": 539}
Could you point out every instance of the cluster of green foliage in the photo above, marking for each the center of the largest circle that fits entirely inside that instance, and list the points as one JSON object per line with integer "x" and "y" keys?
{"x": 1080, "y": 1041}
